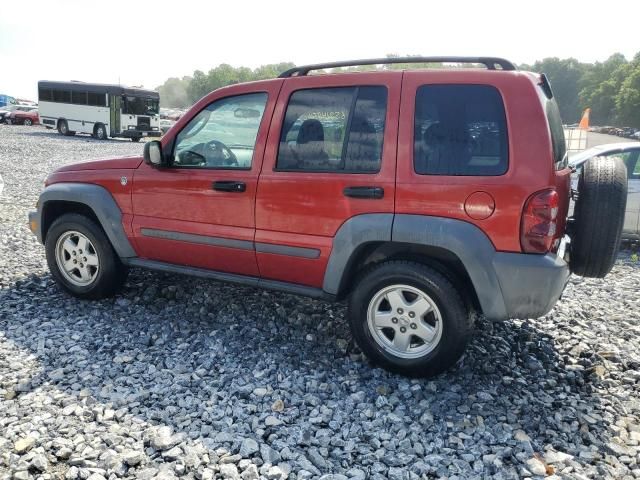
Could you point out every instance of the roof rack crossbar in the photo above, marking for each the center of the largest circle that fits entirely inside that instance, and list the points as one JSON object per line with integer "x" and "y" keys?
{"x": 489, "y": 62}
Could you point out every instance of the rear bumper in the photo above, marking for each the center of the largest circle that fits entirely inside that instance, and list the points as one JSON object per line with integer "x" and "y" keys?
{"x": 530, "y": 284}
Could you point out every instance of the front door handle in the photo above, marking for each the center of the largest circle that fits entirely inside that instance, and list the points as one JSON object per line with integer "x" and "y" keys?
{"x": 364, "y": 192}
{"x": 229, "y": 186}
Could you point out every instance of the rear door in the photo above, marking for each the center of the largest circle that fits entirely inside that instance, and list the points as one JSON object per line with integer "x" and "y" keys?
{"x": 455, "y": 157}
{"x": 331, "y": 155}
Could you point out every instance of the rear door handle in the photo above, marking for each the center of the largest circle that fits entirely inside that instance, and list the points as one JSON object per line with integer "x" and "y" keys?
{"x": 229, "y": 186}
{"x": 364, "y": 192}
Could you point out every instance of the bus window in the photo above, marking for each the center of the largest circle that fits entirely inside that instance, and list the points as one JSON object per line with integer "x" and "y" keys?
{"x": 140, "y": 106}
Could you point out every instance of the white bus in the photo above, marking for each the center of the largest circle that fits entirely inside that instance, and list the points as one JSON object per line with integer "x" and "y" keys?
{"x": 100, "y": 110}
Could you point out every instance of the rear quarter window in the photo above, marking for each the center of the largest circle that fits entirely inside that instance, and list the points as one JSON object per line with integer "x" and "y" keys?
{"x": 460, "y": 130}
{"x": 560, "y": 159}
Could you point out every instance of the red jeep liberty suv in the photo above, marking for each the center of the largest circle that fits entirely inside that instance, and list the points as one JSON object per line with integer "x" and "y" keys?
{"x": 423, "y": 196}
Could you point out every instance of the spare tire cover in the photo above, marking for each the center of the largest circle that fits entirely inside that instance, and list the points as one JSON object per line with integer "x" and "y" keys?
{"x": 598, "y": 216}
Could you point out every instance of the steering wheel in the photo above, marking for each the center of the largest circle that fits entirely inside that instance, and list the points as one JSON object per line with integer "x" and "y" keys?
{"x": 219, "y": 155}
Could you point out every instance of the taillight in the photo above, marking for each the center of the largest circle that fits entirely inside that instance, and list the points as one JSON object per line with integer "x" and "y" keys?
{"x": 538, "y": 229}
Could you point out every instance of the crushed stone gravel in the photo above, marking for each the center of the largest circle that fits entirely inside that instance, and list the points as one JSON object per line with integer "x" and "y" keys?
{"x": 181, "y": 377}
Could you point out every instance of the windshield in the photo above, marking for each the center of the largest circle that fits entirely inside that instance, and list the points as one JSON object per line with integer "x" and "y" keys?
{"x": 140, "y": 105}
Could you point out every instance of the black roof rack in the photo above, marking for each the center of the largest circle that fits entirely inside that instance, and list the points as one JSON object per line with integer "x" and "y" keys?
{"x": 489, "y": 62}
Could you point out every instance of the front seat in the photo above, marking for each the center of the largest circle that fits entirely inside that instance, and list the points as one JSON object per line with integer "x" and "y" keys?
{"x": 310, "y": 145}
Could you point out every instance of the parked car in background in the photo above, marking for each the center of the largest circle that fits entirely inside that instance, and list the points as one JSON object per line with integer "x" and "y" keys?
{"x": 629, "y": 153}
{"x": 6, "y": 100}
{"x": 21, "y": 117}
{"x": 5, "y": 111}
{"x": 165, "y": 125}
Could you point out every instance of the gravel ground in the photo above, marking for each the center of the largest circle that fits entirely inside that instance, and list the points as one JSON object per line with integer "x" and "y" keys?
{"x": 184, "y": 377}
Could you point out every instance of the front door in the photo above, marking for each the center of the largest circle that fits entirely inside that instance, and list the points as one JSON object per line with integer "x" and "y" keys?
{"x": 330, "y": 156}
{"x": 200, "y": 211}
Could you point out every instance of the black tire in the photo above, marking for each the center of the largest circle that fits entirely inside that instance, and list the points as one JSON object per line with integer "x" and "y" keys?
{"x": 135, "y": 139}
{"x": 457, "y": 321}
{"x": 111, "y": 274}
{"x": 598, "y": 216}
{"x": 63, "y": 128}
{"x": 100, "y": 131}
{"x": 28, "y": 122}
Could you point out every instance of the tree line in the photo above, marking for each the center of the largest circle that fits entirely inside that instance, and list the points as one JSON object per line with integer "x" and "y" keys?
{"x": 610, "y": 88}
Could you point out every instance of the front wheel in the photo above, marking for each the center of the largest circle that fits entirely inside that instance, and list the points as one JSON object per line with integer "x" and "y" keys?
{"x": 135, "y": 139}
{"x": 409, "y": 318}
{"x": 81, "y": 258}
{"x": 63, "y": 128}
{"x": 100, "y": 132}
{"x": 27, "y": 122}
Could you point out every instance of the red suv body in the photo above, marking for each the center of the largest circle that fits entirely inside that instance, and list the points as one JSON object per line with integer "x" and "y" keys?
{"x": 421, "y": 195}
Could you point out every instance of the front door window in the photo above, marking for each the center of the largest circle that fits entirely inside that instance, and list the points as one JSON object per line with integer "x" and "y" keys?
{"x": 223, "y": 135}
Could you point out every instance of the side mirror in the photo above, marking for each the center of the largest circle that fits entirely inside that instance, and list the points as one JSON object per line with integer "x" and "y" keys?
{"x": 153, "y": 154}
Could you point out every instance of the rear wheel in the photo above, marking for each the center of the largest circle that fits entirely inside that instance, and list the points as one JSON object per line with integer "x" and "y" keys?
{"x": 409, "y": 318}
{"x": 100, "y": 131}
{"x": 598, "y": 216}
{"x": 81, "y": 258}
{"x": 135, "y": 139}
{"x": 27, "y": 122}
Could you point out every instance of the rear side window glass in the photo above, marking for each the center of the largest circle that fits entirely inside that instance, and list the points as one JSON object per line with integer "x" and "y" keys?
{"x": 460, "y": 130}
{"x": 334, "y": 129}
{"x": 557, "y": 134}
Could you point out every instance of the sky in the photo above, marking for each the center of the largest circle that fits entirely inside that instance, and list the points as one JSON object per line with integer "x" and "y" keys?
{"x": 144, "y": 43}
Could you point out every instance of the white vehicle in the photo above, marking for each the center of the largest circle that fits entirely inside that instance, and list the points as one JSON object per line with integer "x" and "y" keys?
{"x": 100, "y": 110}
{"x": 629, "y": 152}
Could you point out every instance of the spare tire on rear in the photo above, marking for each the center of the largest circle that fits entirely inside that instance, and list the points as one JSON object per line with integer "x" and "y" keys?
{"x": 598, "y": 216}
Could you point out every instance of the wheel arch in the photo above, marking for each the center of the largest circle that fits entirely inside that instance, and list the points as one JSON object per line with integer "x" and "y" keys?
{"x": 55, "y": 208}
{"x": 442, "y": 260}
{"x": 91, "y": 200}
{"x": 457, "y": 249}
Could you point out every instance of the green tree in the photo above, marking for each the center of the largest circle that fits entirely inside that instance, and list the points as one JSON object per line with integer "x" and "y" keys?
{"x": 564, "y": 75}
{"x": 628, "y": 98}
{"x": 198, "y": 86}
{"x": 173, "y": 92}
{"x": 610, "y": 88}
{"x": 184, "y": 92}
{"x": 599, "y": 86}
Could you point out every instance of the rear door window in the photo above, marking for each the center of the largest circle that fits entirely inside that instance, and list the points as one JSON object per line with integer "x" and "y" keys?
{"x": 338, "y": 129}
{"x": 460, "y": 130}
